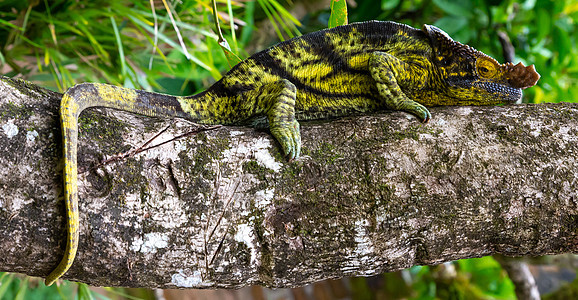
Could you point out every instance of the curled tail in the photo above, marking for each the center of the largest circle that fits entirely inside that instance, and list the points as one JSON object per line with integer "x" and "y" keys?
{"x": 73, "y": 103}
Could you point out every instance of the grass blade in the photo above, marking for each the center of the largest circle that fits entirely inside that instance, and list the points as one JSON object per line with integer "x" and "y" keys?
{"x": 170, "y": 42}
{"x": 170, "y": 13}
{"x": 156, "y": 28}
{"x": 120, "y": 48}
{"x": 232, "y": 21}
{"x": 232, "y": 58}
{"x": 22, "y": 289}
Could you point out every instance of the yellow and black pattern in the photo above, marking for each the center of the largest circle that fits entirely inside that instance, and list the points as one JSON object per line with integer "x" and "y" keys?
{"x": 350, "y": 69}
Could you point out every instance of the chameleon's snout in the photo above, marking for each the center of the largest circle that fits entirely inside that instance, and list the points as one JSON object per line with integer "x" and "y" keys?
{"x": 491, "y": 93}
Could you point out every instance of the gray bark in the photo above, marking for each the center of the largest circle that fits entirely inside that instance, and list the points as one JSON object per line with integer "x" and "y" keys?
{"x": 223, "y": 209}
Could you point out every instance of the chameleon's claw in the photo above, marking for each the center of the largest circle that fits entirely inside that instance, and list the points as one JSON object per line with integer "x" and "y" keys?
{"x": 420, "y": 111}
{"x": 296, "y": 139}
{"x": 288, "y": 135}
{"x": 426, "y": 117}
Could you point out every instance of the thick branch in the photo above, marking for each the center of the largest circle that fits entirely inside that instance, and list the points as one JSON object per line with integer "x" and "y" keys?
{"x": 223, "y": 209}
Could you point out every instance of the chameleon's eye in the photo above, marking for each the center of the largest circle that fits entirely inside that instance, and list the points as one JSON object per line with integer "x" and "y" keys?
{"x": 486, "y": 67}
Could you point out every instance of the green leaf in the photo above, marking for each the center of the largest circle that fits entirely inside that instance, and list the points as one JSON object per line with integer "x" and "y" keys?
{"x": 389, "y": 4}
{"x": 170, "y": 42}
{"x": 249, "y": 21}
{"x": 22, "y": 289}
{"x": 544, "y": 25}
{"x": 10, "y": 25}
{"x": 455, "y": 8}
{"x": 290, "y": 20}
{"x": 338, "y": 13}
{"x": 528, "y": 4}
{"x": 562, "y": 41}
{"x": 5, "y": 281}
{"x": 84, "y": 292}
{"x": 232, "y": 25}
{"x": 452, "y": 25}
{"x": 232, "y": 58}
{"x": 140, "y": 14}
{"x": 278, "y": 14}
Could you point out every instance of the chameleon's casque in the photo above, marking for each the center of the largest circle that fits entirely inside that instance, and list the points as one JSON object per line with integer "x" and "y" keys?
{"x": 356, "y": 68}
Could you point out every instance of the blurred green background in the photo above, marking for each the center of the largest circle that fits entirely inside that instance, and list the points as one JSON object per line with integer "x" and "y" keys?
{"x": 171, "y": 47}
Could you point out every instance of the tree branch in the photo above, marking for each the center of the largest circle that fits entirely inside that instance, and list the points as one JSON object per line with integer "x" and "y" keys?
{"x": 223, "y": 209}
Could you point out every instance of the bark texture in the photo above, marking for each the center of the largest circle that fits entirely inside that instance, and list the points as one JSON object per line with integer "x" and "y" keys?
{"x": 223, "y": 209}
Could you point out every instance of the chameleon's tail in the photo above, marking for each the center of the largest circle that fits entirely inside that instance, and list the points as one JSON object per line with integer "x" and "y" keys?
{"x": 73, "y": 103}
{"x": 69, "y": 111}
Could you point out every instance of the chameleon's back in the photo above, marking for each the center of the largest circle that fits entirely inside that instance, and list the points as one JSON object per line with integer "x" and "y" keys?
{"x": 329, "y": 68}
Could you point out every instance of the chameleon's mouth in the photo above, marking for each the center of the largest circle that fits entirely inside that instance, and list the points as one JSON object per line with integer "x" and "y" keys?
{"x": 496, "y": 93}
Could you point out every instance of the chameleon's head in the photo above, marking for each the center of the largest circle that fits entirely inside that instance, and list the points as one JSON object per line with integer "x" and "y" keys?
{"x": 470, "y": 77}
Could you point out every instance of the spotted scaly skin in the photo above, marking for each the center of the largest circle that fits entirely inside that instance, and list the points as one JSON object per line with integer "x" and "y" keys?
{"x": 351, "y": 69}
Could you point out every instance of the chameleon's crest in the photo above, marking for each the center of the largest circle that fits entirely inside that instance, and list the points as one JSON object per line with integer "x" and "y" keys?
{"x": 520, "y": 76}
{"x": 445, "y": 46}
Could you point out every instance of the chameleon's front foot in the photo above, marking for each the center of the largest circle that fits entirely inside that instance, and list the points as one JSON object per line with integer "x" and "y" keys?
{"x": 386, "y": 70}
{"x": 289, "y": 136}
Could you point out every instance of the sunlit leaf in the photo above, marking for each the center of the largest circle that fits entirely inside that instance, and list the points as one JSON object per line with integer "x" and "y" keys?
{"x": 338, "y": 15}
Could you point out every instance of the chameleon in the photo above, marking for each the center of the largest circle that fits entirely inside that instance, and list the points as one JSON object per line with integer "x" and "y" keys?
{"x": 351, "y": 69}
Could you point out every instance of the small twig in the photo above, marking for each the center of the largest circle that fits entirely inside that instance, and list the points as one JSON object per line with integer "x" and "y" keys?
{"x": 507, "y": 48}
{"x": 220, "y": 244}
{"x": 144, "y": 147}
{"x": 203, "y": 129}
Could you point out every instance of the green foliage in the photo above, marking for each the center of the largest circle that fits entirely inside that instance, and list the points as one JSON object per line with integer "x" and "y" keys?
{"x": 277, "y": 14}
{"x": 485, "y": 279}
{"x": 169, "y": 47}
{"x": 14, "y": 286}
{"x": 20, "y": 287}
{"x": 479, "y": 278}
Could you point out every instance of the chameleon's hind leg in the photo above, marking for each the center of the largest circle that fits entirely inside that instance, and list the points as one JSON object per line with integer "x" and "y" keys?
{"x": 277, "y": 101}
{"x": 388, "y": 71}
